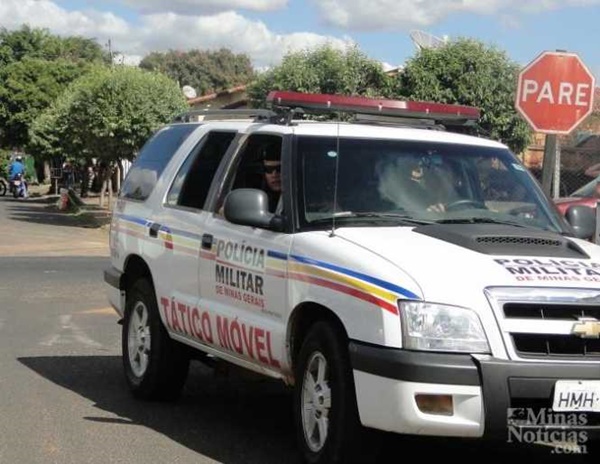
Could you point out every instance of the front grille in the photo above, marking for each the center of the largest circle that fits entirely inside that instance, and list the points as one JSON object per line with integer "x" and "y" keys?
{"x": 549, "y": 311}
{"x": 555, "y": 346}
{"x": 548, "y": 323}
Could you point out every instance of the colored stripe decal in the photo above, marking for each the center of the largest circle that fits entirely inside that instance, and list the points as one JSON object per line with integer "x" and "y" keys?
{"x": 275, "y": 273}
{"x": 277, "y": 255}
{"x": 343, "y": 279}
{"x": 364, "y": 285}
{"x": 358, "y": 275}
{"x": 347, "y": 290}
{"x": 133, "y": 219}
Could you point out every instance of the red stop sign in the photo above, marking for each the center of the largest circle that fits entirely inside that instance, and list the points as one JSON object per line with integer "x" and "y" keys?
{"x": 555, "y": 92}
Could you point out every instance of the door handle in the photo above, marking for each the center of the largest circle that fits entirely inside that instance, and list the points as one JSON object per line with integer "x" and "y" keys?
{"x": 154, "y": 228}
{"x": 207, "y": 241}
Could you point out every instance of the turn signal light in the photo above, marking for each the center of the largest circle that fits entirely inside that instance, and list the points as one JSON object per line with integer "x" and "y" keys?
{"x": 441, "y": 405}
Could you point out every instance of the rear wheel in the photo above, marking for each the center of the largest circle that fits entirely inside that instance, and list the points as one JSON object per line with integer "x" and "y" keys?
{"x": 3, "y": 188}
{"x": 156, "y": 366}
{"x": 326, "y": 415}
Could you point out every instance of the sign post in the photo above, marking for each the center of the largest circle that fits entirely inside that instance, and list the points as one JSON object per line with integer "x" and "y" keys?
{"x": 554, "y": 94}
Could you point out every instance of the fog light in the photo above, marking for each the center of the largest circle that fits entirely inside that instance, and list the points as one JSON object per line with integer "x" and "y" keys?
{"x": 440, "y": 405}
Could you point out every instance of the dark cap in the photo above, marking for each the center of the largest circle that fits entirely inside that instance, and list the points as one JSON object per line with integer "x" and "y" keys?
{"x": 270, "y": 152}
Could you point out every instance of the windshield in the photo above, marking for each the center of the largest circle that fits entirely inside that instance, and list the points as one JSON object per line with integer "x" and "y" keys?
{"x": 394, "y": 181}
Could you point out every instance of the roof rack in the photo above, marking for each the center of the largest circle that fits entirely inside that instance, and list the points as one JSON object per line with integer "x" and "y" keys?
{"x": 388, "y": 110}
{"x": 206, "y": 115}
{"x": 379, "y": 120}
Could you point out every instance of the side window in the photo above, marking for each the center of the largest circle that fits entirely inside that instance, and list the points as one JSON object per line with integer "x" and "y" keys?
{"x": 257, "y": 166}
{"x": 152, "y": 160}
{"x": 191, "y": 185}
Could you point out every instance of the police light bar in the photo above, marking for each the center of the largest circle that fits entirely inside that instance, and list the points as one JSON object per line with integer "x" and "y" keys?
{"x": 365, "y": 105}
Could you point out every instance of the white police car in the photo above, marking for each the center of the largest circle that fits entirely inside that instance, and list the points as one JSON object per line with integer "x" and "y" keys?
{"x": 413, "y": 279}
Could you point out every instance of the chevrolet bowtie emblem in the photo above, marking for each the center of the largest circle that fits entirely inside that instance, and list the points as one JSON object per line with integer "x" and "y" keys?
{"x": 586, "y": 327}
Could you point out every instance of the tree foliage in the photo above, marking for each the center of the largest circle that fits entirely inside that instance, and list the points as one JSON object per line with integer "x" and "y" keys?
{"x": 27, "y": 42}
{"x": 107, "y": 114}
{"x": 206, "y": 71}
{"x": 323, "y": 70}
{"x": 26, "y": 88}
{"x": 468, "y": 72}
{"x": 35, "y": 67}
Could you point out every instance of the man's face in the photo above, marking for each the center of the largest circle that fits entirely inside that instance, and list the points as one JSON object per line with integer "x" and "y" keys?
{"x": 273, "y": 175}
{"x": 416, "y": 172}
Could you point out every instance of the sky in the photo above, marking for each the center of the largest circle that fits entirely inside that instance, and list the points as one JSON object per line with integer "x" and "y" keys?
{"x": 267, "y": 29}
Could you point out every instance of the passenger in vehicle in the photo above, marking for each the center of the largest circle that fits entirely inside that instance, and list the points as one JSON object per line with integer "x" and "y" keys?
{"x": 407, "y": 183}
{"x": 271, "y": 160}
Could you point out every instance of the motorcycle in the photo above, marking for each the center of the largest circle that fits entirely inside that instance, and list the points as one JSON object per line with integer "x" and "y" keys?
{"x": 3, "y": 187}
{"x": 18, "y": 186}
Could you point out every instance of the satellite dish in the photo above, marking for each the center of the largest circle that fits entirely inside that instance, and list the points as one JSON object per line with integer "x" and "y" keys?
{"x": 189, "y": 91}
{"x": 423, "y": 39}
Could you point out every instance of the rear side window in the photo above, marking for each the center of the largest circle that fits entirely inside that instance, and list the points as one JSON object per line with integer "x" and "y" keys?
{"x": 192, "y": 183}
{"x": 152, "y": 160}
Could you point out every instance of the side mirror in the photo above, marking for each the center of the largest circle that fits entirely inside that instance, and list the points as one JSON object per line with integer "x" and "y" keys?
{"x": 250, "y": 207}
{"x": 582, "y": 220}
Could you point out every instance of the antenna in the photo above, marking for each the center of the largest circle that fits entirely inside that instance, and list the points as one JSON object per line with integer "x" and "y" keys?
{"x": 189, "y": 91}
{"x": 423, "y": 39}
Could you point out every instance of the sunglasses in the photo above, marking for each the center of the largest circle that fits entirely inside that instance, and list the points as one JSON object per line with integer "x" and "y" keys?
{"x": 272, "y": 169}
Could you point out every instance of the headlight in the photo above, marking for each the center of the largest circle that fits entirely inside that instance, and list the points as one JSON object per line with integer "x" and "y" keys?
{"x": 436, "y": 327}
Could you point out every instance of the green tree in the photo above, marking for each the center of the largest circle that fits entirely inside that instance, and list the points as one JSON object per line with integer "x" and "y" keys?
{"x": 323, "y": 70}
{"x": 48, "y": 132}
{"x": 36, "y": 67}
{"x": 26, "y": 88}
{"x": 28, "y": 42}
{"x": 206, "y": 71}
{"x": 468, "y": 72}
{"x": 107, "y": 114}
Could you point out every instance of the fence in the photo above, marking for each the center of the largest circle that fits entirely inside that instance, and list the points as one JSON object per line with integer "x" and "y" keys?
{"x": 574, "y": 160}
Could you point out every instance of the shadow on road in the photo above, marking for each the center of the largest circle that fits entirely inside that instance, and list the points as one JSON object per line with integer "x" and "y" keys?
{"x": 234, "y": 420}
{"x": 42, "y": 211}
{"x": 242, "y": 418}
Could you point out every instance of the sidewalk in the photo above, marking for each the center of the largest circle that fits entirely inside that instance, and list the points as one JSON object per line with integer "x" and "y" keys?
{"x": 81, "y": 212}
{"x": 36, "y": 226}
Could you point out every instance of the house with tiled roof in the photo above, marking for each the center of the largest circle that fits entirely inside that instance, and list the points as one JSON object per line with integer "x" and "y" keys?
{"x": 232, "y": 98}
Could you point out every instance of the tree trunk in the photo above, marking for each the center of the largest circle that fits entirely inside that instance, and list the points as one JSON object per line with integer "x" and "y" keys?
{"x": 110, "y": 192}
{"x": 120, "y": 176}
{"x": 104, "y": 184}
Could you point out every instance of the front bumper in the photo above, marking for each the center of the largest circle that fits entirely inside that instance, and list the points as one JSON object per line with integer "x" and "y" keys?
{"x": 115, "y": 292}
{"x": 490, "y": 396}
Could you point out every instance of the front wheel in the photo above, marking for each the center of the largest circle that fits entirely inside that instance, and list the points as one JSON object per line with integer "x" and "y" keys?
{"x": 325, "y": 411}
{"x": 3, "y": 188}
{"x": 156, "y": 366}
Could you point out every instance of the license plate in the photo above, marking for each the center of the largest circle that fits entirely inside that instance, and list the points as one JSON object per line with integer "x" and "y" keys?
{"x": 576, "y": 395}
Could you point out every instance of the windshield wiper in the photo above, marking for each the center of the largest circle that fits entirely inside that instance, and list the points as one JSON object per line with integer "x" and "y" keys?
{"x": 478, "y": 220}
{"x": 344, "y": 216}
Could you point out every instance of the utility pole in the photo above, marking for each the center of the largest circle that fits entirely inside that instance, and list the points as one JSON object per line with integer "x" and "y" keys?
{"x": 109, "y": 44}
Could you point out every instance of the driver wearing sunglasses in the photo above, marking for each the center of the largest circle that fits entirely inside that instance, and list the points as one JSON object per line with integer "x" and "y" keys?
{"x": 272, "y": 176}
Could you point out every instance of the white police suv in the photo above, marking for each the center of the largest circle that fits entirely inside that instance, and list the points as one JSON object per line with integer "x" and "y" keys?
{"x": 412, "y": 279}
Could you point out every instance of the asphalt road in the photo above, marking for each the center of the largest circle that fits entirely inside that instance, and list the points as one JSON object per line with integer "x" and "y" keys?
{"x": 63, "y": 398}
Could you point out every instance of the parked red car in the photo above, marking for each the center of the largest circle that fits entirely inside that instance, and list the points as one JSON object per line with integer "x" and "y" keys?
{"x": 588, "y": 195}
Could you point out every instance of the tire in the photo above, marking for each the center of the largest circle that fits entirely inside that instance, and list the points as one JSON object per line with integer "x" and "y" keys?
{"x": 156, "y": 366}
{"x": 3, "y": 188}
{"x": 325, "y": 410}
